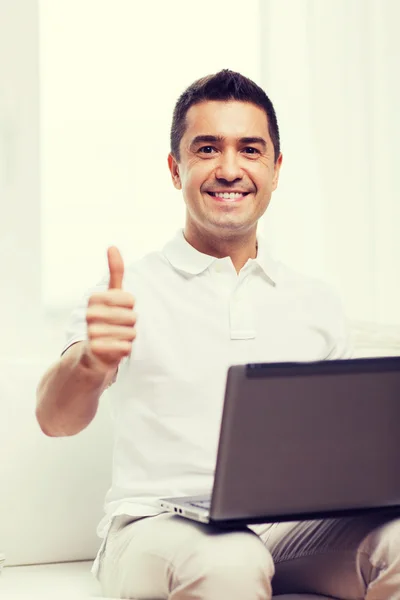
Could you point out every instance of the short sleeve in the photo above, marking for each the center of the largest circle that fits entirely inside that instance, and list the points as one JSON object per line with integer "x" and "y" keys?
{"x": 76, "y": 329}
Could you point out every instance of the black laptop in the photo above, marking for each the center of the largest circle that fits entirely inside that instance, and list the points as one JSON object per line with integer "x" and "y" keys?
{"x": 304, "y": 441}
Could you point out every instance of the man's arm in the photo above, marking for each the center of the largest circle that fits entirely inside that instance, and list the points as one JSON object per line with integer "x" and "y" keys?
{"x": 69, "y": 392}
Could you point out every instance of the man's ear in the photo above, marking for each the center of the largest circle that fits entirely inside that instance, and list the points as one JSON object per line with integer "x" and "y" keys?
{"x": 277, "y": 169}
{"x": 174, "y": 170}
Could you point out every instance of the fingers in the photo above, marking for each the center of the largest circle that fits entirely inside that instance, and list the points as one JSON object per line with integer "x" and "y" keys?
{"x": 115, "y": 267}
{"x": 112, "y": 315}
{"x": 100, "y": 331}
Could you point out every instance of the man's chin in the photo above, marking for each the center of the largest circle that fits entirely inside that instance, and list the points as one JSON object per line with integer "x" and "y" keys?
{"x": 233, "y": 225}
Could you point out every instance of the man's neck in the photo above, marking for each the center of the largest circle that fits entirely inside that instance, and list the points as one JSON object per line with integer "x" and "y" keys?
{"x": 240, "y": 250}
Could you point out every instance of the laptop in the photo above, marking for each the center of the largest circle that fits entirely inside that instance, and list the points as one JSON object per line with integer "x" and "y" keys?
{"x": 304, "y": 441}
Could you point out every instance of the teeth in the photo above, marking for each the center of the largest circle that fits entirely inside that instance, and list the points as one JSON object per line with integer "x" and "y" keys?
{"x": 229, "y": 196}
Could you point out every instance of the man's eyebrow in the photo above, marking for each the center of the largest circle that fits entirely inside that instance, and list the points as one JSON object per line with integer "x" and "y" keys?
{"x": 212, "y": 139}
{"x": 254, "y": 140}
{"x": 200, "y": 139}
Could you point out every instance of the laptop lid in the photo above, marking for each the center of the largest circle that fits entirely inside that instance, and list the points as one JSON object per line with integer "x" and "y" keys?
{"x": 308, "y": 440}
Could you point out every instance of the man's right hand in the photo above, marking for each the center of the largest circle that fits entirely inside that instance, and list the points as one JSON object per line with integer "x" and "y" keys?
{"x": 110, "y": 321}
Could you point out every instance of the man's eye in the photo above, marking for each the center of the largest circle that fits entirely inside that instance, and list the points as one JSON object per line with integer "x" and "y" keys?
{"x": 251, "y": 150}
{"x": 207, "y": 149}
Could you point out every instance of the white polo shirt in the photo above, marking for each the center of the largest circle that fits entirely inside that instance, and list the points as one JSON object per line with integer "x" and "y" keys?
{"x": 196, "y": 317}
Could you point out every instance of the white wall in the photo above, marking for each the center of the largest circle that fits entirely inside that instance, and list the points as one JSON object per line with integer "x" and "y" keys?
{"x": 331, "y": 67}
{"x": 19, "y": 175}
{"x": 106, "y": 109}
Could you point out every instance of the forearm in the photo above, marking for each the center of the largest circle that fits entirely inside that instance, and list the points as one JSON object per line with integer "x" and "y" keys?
{"x": 68, "y": 394}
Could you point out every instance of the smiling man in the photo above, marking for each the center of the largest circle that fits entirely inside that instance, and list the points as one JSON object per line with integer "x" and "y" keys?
{"x": 212, "y": 297}
{"x": 227, "y": 164}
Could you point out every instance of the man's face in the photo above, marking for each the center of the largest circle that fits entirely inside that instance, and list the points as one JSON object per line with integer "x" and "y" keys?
{"x": 227, "y": 149}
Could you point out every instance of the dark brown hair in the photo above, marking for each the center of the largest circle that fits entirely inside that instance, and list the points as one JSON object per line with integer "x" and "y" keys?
{"x": 225, "y": 85}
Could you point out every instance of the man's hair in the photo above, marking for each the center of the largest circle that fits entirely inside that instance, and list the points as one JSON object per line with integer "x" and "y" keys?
{"x": 224, "y": 86}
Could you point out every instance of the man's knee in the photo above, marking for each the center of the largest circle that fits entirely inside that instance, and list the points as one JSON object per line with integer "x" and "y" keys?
{"x": 382, "y": 545}
{"x": 175, "y": 558}
{"x": 229, "y": 560}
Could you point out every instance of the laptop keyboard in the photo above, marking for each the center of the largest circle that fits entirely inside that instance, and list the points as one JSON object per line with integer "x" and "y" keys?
{"x": 204, "y": 504}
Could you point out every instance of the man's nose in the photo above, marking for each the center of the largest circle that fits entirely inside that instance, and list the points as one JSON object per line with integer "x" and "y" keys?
{"x": 229, "y": 167}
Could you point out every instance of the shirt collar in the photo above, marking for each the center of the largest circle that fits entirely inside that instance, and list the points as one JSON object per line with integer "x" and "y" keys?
{"x": 184, "y": 257}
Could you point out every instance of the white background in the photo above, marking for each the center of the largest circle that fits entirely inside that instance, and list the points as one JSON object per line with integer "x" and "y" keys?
{"x": 106, "y": 110}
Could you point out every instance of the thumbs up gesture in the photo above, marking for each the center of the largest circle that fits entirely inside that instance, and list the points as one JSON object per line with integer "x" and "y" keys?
{"x": 110, "y": 320}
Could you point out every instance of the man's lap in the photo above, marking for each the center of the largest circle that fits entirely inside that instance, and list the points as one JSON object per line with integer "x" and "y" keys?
{"x": 321, "y": 557}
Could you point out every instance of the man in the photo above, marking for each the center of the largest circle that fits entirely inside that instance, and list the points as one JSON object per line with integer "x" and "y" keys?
{"x": 212, "y": 297}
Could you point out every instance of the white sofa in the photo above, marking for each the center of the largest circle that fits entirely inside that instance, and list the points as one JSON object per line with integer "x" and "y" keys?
{"x": 52, "y": 491}
{"x": 50, "y": 581}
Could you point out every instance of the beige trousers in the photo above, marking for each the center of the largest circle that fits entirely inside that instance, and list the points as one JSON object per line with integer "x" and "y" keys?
{"x": 168, "y": 557}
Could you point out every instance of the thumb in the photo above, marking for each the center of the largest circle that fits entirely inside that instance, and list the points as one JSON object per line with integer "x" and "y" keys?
{"x": 116, "y": 268}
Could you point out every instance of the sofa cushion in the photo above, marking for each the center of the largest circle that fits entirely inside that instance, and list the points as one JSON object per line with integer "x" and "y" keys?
{"x": 68, "y": 581}
{"x": 64, "y": 581}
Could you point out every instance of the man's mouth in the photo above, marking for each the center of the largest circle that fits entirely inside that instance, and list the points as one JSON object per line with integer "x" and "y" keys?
{"x": 228, "y": 196}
